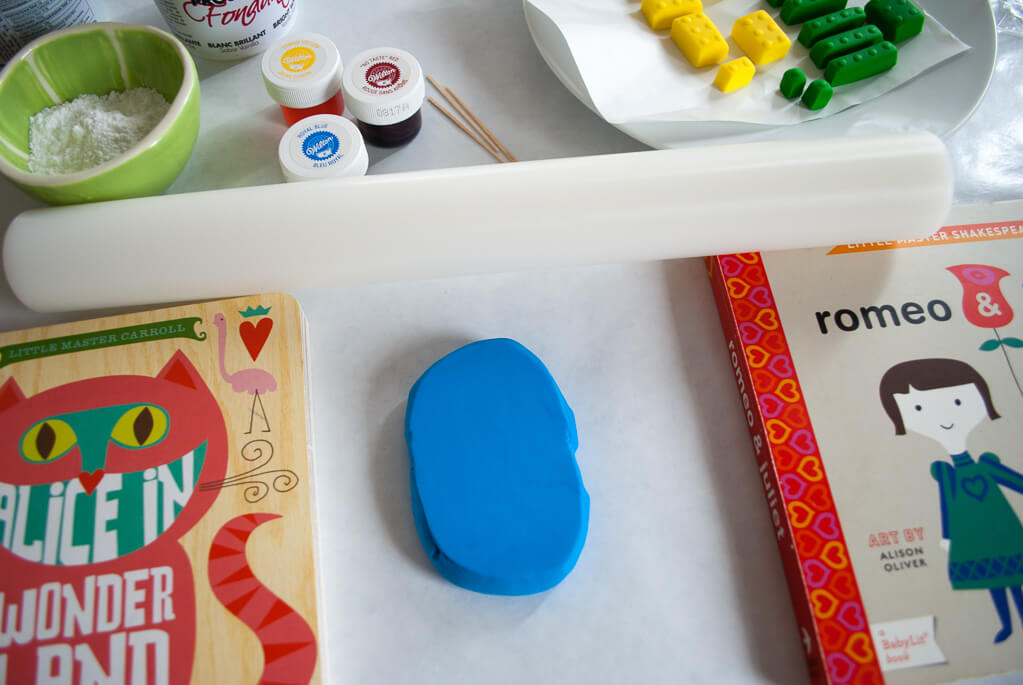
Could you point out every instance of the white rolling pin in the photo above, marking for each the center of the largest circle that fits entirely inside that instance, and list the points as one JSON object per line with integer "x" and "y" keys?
{"x": 471, "y": 220}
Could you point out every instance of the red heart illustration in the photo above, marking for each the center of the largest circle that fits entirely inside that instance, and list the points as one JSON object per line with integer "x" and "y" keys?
{"x": 763, "y": 380}
{"x": 824, "y": 604}
{"x": 803, "y": 441}
{"x": 792, "y": 486}
{"x": 749, "y": 257}
{"x": 810, "y": 468}
{"x": 744, "y": 311}
{"x": 827, "y": 525}
{"x": 750, "y": 332}
{"x": 767, "y": 318}
{"x": 794, "y": 414}
{"x": 819, "y": 497}
{"x": 754, "y": 275}
{"x": 770, "y": 406}
{"x": 760, "y": 295}
{"x": 834, "y": 555}
{"x": 859, "y": 648}
{"x": 843, "y": 585}
{"x": 841, "y": 667}
{"x": 777, "y": 432}
{"x": 254, "y": 336}
{"x": 832, "y": 635}
{"x": 851, "y": 616}
{"x": 737, "y": 288}
{"x": 808, "y": 543}
{"x": 816, "y": 573}
{"x": 800, "y": 515}
{"x": 730, "y": 266}
{"x": 757, "y": 356}
{"x": 781, "y": 364}
{"x": 89, "y": 481}
{"x": 788, "y": 390}
{"x": 775, "y": 342}
{"x": 786, "y": 458}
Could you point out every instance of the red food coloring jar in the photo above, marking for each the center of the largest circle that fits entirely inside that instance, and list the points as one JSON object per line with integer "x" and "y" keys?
{"x": 384, "y": 89}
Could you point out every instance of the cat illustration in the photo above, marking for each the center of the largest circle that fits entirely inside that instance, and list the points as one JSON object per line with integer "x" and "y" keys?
{"x": 98, "y": 482}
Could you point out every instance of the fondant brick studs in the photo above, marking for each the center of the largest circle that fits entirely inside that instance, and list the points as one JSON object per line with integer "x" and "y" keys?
{"x": 734, "y": 74}
{"x": 760, "y": 38}
{"x": 897, "y": 19}
{"x": 862, "y": 64}
{"x": 660, "y": 13}
{"x": 830, "y": 24}
{"x": 699, "y": 39}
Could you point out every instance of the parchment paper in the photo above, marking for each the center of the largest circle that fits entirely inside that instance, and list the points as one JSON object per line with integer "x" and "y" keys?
{"x": 633, "y": 73}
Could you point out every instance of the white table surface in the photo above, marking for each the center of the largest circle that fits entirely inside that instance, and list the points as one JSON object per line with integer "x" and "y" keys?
{"x": 680, "y": 580}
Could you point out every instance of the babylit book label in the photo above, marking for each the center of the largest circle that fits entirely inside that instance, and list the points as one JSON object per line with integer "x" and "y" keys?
{"x": 906, "y": 643}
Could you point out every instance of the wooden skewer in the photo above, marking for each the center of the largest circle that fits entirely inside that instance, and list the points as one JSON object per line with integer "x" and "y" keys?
{"x": 486, "y": 138}
{"x": 492, "y": 149}
{"x": 462, "y": 126}
{"x": 486, "y": 131}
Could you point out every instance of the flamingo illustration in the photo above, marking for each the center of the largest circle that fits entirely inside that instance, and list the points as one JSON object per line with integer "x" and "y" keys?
{"x": 253, "y": 381}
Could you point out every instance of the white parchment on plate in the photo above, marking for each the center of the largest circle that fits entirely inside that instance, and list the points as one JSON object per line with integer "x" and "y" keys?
{"x": 632, "y": 73}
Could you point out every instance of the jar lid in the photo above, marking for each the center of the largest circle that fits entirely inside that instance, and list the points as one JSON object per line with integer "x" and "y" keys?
{"x": 322, "y": 146}
{"x": 383, "y": 86}
{"x": 302, "y": 70}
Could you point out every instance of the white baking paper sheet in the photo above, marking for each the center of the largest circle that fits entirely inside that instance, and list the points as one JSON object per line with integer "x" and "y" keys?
{"x": 633, "y": 73}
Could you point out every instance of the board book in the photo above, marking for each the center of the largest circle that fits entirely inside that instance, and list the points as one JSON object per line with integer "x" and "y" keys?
{"x": 156, "y": 499}
{"x": 881, "y": 384}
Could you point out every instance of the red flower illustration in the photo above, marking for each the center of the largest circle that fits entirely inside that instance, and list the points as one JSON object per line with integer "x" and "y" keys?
{"x": 983, "y": 302}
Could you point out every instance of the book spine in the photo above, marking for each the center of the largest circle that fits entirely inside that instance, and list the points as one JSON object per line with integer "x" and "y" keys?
{"x": 829, "y": 611}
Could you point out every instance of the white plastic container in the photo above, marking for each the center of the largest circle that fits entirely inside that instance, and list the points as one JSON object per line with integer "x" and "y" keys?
{"x": 22, "y": 22}
{"x": 227, "y": 29}
{"x": 384, "y": 90}
{"x": 322, "y": 146}
{"x": 302, "y": 73}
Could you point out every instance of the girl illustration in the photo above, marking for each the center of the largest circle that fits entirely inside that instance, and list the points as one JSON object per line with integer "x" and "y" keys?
{"x": 945, "y": 399}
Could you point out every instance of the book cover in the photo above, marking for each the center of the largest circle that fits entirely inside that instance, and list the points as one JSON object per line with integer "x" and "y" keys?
{"x": 156, "y": 500}
{"x": 883, "y": 388}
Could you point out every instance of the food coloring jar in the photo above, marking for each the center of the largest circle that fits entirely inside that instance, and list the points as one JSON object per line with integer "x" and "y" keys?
{"x": 384, "y": 89}
{"x": 322, "y": 146}
{"x": 302, "y": 73}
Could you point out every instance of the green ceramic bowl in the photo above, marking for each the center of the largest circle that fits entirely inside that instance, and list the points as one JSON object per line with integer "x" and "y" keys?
{"x": 98, "y": 59}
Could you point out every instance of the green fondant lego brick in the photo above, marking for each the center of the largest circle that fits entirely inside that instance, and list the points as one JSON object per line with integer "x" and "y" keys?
{"x": 818, "y": 94}
{"x": 798, "y": 11}
{"x": 792, "y": 83}
{"x": 897, "y": 19}
{"x": 844, "y": 43}
{"x": 862, "y": 64}
{"x": 775, "y": 3}
{"x": 830, "y": 24}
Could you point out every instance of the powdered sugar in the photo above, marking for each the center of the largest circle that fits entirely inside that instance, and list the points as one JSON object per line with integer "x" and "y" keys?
{"x": 91, "y": 129}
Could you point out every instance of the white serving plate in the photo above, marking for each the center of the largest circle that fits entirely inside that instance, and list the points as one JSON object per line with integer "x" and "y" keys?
{"x": 938, "y": 100}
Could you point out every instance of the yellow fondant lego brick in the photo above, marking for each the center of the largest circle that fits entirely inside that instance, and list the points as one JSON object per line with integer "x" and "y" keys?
{"x": 760, "y": 38}
{"x": 660, "y": 13}
{"x": 734, "y": 74}
{"x": 699, "y": 40}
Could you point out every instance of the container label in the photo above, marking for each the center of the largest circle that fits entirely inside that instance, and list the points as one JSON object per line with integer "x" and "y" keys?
{"x": 298, "y": 59}
{"x": 320, "y": 145}
{"x": 383, "y": 75}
